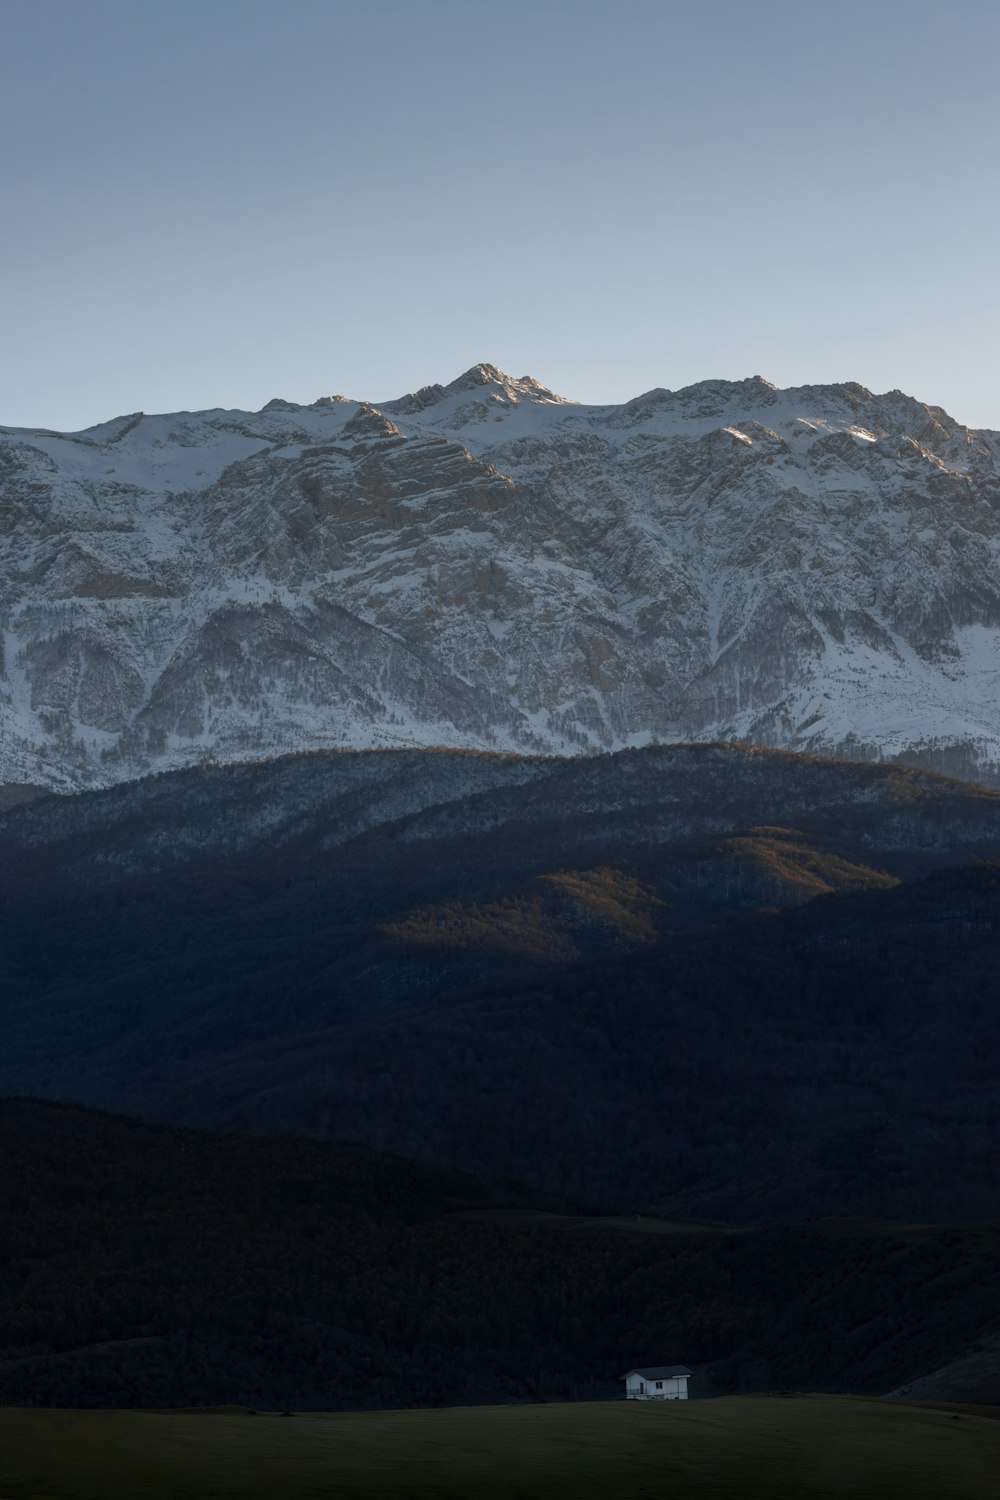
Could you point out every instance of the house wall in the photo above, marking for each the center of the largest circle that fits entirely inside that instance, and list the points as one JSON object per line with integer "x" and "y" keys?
{"x": 674, "y": 1389}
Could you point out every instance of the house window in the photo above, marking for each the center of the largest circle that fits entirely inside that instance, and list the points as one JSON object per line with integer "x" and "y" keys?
{"x": 659, "y": 1385}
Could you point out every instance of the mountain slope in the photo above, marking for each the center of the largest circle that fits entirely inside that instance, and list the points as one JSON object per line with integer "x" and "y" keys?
{"x": 838, "y": 1058}
{"x": 552, "y": 969}
{"x": 485, "y": 564}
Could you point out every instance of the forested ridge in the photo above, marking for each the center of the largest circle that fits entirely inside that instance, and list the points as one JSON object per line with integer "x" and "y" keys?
{"x": 686, "y": 979}
{"x": 838, "y": 1058}
{"x": 750, "y": 989}
{"x": 146, "y": 1266}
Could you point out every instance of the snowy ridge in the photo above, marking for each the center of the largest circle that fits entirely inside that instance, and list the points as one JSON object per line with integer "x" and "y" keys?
{"x": 486, "y": 564}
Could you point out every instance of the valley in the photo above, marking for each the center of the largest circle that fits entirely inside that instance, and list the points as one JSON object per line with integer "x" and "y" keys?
{"x": 499, "y": 873}
{"x": 823, "y": 1446}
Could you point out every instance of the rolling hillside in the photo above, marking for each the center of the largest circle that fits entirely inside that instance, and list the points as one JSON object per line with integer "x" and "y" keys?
{"x": 691, "y": 980}
{"x": 150, "y": 1267}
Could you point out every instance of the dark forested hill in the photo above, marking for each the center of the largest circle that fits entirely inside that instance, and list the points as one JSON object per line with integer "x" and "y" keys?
{"x": 143, "y": 1266}
{"x": 576, "y": 973}
{"x": 839, "y": 1058}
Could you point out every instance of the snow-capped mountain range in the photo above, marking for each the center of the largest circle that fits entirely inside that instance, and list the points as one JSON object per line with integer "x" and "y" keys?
{"x": 486, "y": 564}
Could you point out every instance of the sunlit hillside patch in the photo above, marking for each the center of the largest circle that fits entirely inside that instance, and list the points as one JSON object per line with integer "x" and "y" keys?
{"x": 789, "y": 860}
{"x": 555, "y": 922}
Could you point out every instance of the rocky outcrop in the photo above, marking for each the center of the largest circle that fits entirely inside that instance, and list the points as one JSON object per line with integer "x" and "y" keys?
{"x": 484, "y": 564}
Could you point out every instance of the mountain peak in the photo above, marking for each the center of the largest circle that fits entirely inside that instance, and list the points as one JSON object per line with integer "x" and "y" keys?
{"x": 516, "y": 388}
{"x": 484, "y": 566}
{"x": 369, "y": 422}
{"x": 753, "y": 387}
{"x": 481, "y": 374}
{"x": 278, "y": 403}
{"x": 484, "y": 378}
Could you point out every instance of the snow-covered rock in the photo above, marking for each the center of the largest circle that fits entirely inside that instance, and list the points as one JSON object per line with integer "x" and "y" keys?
{"x": 484, "y": 564}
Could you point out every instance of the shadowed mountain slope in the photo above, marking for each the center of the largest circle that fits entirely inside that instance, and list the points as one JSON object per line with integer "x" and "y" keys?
{"x": 141, "y": 1266}
{"x": 839, "y": 1058}
{"x": 518, "y": 967}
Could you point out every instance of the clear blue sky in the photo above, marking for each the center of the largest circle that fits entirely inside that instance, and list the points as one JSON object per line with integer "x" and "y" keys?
{"x": 213, "y": 203}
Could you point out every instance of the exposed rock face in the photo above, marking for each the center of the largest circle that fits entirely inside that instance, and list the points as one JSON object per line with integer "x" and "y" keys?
{"x": 485, "y": 564}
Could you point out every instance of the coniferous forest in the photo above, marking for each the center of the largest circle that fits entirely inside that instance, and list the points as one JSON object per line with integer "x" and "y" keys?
{"x": 142, "y": 1266}
{"x": 670, "y": 1009}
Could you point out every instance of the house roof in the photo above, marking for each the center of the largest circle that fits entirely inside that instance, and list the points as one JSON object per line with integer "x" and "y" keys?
{"x": 658, "y": 1372}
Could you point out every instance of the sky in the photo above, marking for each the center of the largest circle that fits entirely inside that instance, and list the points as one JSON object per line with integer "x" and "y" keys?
{"x": 215, "y": 203}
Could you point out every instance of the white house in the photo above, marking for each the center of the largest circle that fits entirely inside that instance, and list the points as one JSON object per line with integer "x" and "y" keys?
{"x": 657, "y": 1383}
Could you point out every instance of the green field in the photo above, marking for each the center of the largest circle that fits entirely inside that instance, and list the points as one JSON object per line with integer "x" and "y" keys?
{"x": 737, "y": 1448}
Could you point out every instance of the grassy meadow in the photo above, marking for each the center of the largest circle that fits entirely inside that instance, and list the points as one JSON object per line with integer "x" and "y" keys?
{"x": 736, "y": 1448}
